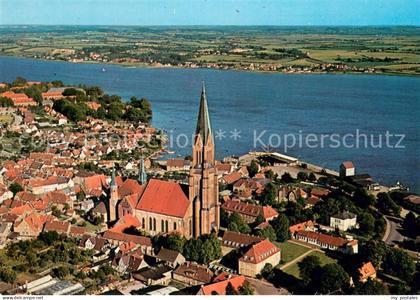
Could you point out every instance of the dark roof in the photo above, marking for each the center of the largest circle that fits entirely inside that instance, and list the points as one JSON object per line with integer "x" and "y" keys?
{"x": 167, "y": 255}
{"x": 203, "y": 122}
{"x": 153, "y": 273}
{"x": 237, "y": 240}
{"x": 195, "y": 271}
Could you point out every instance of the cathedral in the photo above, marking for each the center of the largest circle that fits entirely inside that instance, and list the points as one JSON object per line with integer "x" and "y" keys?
{"x": 165, "y": 207}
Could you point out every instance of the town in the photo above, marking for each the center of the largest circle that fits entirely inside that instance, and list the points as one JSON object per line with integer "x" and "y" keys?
{"x": 90, "y": 204}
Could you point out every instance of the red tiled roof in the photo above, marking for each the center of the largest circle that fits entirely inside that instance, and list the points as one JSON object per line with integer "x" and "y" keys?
{"x": 58, "y": 226}
{"x": 323, "y": 238}
{"x": 259, "y": 252}
{"x": 366, "y": 271}
{"x": 129, "y": 187}
{"x": 348, "y": 165}
{"x": 249, "y": 209}
{"x": 219, "y": 288}
{"x": 232, "y": 177}
{"x": 164, "y": 197}
{"x": 124, "y": 237}
{"x": 301, "y": 226}
{"x": 125, "y": 222}
{"x": 77, "y": 230}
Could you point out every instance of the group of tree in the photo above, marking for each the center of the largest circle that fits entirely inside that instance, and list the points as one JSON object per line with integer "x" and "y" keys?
{"x": 411, "y": 225}
{"x": 202, "y": 250}
{"x": 322, "y": 279}
{"x": 245, "y": 289}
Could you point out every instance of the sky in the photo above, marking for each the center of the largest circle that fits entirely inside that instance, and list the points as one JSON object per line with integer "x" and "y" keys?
{"x": 210, "y": 12}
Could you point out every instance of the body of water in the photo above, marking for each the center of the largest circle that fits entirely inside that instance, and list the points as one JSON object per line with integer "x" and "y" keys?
{"x": 250, "y": 107}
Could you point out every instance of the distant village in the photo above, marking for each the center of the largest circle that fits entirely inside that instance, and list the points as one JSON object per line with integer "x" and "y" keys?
{"x": 90, "y": 204}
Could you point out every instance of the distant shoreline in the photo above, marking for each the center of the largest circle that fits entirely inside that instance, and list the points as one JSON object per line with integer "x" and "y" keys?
{"x": 148, "y": 66}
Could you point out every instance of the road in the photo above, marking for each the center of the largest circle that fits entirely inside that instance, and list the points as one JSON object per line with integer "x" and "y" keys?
{"x": 392, "y": 235}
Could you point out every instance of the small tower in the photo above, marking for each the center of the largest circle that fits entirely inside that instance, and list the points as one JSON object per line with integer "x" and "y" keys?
{"x": 142, "y": 172}
{"x": 113, "y": 199}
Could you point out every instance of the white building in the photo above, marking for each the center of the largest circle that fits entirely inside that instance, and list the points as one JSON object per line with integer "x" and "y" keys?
{"x": 347, "y": 169}
{"x": 343, "y": 221}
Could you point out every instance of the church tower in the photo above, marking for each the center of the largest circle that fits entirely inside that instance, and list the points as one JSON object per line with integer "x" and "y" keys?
{"x": 113, "y": 199}
{"x": 203, "y": 185}
{"x": 142, "y": 172}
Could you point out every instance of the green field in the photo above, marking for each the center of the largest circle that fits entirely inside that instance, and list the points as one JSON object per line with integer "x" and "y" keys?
{"x": 289, "y": 251}
{"x": 294, "y": 269}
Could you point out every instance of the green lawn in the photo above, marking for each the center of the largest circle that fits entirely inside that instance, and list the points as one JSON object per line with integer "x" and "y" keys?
{"x": 294, "y": 269}
{"x": 290, "y": 251}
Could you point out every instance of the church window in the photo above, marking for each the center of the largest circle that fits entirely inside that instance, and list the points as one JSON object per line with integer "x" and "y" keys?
{"x": 174, "y": 226}
{"x": 143, "y": 225}
{"x": 154, "y": 224}
{"x": 166, "y": 226}
{"x": 150, "y": 224}
{"x": 162, "y": 225}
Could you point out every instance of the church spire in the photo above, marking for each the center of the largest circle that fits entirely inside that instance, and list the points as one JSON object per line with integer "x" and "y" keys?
{"x": 113, "y": 181}
{"x": 142, "y": 172}
{"x": 203, "y": 122}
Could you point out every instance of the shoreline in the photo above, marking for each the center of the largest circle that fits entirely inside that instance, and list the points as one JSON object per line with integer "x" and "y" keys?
{"x": 148, "y": 66}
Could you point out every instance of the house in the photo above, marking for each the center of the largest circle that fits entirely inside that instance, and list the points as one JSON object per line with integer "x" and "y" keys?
{"x": 347, "y": 169}
{"x": 86, "y": 205}
{"x": 129, "y": 261}
{"x": 257, "y": 256}
{"x": 170, "y": 257}
{"x": 31, "y": 225}
{"x": 326, "y": 241}
{"x": 343, "y": 221}
{"x": 193, "y": 274}
{"x": 157, "y": 275}
{"x": 118, "y": 238}
{"x": 178, "y": 164}
{"x": 366, "y": 271}
{"x": 219, "y": 288}
{"x": 249, "y": 212}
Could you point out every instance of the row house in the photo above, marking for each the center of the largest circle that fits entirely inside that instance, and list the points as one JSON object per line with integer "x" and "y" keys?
{"x": 329, "y": 242}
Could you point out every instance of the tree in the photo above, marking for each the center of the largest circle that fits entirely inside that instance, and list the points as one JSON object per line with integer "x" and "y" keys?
{"x": 362, "y": 199}
{"x": 307, "y": 268}
{"x": 311, "y": 177}
{"x": 268, "y": 232}
{"x": 302, "y": 176}
{"x": 267, "y": 271}
{"x": 253, "y": 168}
{"x": 5, "y": 102}
{"x": 371, "y": 287}
{"x": 398, "y": 263}
{"x": 411, "y": 224}
{"x": 287, "y": 178}
{"x": 332, "y": 277}
{"x": 386, "y": 205}
{"x": 374, "y": 251}
{"x": 269, "y": 194}
{"x": 281, "y": 226}
{"x": 61, "y": 271}
{"x": 15, "y": 188}
{"x": 230, "y": 290}
{"x": 237, "y": 224}
{"x": 7, "y": 275}
{"x": 366, "y": 223}
{"x": 19, "y": 81}
{"x": 246, "y": 289}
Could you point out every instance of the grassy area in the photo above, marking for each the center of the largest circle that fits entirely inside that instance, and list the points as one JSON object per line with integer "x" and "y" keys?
{"x": 289, "y": 251}
{"x": 324, "y": 259}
